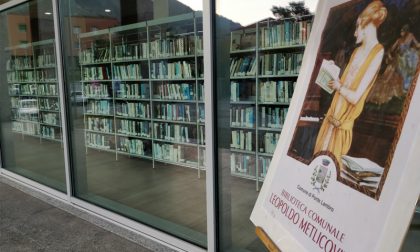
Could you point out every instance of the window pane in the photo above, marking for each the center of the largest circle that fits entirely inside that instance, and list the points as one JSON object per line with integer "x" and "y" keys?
{"x": 258, "y": 57}
{"x": 30, "y": 102}
{"x": 135, "y": 83}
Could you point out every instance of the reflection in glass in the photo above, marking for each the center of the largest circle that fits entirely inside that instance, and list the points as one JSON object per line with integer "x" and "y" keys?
{"x": 135, "y": 74}
{"x": 30, "y": 103}
{"x": 263, "y": 54}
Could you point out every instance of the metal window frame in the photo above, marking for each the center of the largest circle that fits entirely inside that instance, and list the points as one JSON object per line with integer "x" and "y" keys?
{"x": 211, "y": 173}
{"x": 126, "y": 223}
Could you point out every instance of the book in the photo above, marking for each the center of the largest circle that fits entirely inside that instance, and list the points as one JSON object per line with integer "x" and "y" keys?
{"x": 362, "y": 165}
{"x": 328, "y": 72}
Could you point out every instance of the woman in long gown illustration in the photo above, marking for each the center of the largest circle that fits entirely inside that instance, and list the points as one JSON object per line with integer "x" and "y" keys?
{"x": 335, "y": 134}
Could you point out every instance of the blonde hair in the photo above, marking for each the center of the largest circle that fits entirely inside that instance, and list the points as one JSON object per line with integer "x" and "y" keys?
{"x": 374, "y": 13}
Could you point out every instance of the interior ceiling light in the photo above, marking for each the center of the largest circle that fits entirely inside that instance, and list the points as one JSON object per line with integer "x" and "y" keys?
{"x": 47, "y": 13}
{"x": 107, "y": 10}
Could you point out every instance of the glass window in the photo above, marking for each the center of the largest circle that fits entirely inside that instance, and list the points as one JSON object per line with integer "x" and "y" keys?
{"x": 30, "y": 103}
{"x": 135, "y": 82}
{"x": 258, "y": 55}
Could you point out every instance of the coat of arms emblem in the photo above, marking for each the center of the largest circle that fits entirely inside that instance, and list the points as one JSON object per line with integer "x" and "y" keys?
{"x": 321, "y": 176}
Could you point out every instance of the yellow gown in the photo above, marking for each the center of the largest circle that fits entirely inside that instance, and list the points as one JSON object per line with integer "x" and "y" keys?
{"x": 341, "y": 125}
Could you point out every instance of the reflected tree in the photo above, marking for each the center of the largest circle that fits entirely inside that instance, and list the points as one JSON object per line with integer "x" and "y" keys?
{"x": 294, "y": 9}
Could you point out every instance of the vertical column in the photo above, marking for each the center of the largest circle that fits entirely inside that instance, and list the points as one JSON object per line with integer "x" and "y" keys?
{"x": 209, "y": 106}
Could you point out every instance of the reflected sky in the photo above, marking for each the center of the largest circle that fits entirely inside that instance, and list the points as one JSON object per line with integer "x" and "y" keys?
{"x": 246, "y": 12}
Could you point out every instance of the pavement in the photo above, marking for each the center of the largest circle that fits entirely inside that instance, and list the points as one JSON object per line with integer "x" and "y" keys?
{"x": 29, "y": 224}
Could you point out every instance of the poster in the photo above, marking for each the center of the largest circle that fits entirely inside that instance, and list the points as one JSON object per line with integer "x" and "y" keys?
{"x": 343, "y": 174}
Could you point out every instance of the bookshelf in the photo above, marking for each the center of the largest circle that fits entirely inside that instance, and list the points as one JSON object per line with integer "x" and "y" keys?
{"x": 33, "y": 90}
{"x": 264, "y": 65}
{"x": 143, "y": 90}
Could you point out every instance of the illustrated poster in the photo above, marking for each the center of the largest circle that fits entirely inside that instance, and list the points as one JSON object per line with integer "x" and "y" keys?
{"x": 340, "y": 176}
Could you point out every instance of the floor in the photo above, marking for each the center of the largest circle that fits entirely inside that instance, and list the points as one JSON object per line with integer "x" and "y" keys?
{"x": 168, "y": 197}
{"x": 29, "y": 224}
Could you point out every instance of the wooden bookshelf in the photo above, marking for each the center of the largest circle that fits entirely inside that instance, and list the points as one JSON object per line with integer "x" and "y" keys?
{"x": 265, "y": 63}
{"x": 33, "y": 88}
{"x": 146, "y": 81}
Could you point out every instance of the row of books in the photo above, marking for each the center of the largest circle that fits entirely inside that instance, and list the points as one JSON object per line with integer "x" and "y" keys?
{"x": 127, "y": 72}
{"x": 99, "y": 140}
{"x": 175, "y": 91}
{"x": 27, "y": 89}
{"x": 245, "y": 164}
{"x": 242, "y": 116}
{"x": 172, "y": 153}
{"x": 276, "y": 91}
{"x": 132, "y": 90}
{"x": 45, "y": 75}
{"x": 51, "y": 118}
{"x": 174, "y": 132}
{"x": 100, "y": 124}
{"x": 161, "y": 151}
{"x": 159, "y": 70}
{"x": 286, "y": 33}
{"x": 29, "y": 76}
{"x": 134, "y": 128}
{"x": 94, "y": 55}
{"x": 22, "y": 76}
{"x": 49, "y": 104}
{"x": 130, "y": 51}
{"x": 242, "y": 163}
{"x": 269, "y": 142}
{"x": 263, "y": 164}
{"x": 96, "y": 73}
{"x": 46, "y": 59}
{"x": 172, "y": 70}
{"x": 133, "y": 109}
{"x": 50, "y": 132}
{"x": 96, "y": 90}
{"x": 180, "y": 46}
{"x": 272, "y": 117}
{"x": 242, "y": 140}
{"x": 98, "y": 107}
{"x": 19, "y": 63}
{"x": 47, "y": 89}
{"x": 243, "y": 66}
{"x": 173, "y": 112}
{"x": 175, "y": 46}
{"x": 26, "y": 128}
{"x": 133, "y": 146}
{"x": 280, "y": 63}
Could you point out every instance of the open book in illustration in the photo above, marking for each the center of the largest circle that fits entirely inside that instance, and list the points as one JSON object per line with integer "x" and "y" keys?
{"x": 328, "y": 71}
{"x": 362, "y": 171}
